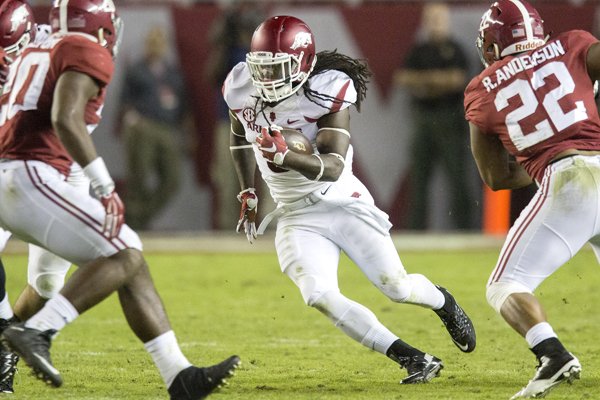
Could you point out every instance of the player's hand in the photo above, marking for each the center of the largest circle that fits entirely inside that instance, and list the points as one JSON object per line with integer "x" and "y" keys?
{"x": 272, "y": 144}
{"x": 247, "y": 220}
{"x": 115, "y": 214}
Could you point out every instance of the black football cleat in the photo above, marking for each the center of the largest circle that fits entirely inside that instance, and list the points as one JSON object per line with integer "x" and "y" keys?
{"x": 457, "y": 323}
{"x": 33, "y": 346}
{"x": 194, "y": 383}
{"x": 420, "y": 368}
{"x": 551, "y": 371}
{"x": 8, "y": 362}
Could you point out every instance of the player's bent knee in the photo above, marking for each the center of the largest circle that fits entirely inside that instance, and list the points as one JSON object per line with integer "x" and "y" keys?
{"x": 400, "y": 289}
{"x": 130, "y": 259}
{"x": 498, "y": 292}
{"x": 48, "y": 285}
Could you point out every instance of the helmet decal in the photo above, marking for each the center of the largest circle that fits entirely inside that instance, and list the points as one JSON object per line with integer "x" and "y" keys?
{"x": 487, "y": 20}
{"x": 526, "y": 19}
{"x": 19, "y": 16}
{"x": 302, "y": 39}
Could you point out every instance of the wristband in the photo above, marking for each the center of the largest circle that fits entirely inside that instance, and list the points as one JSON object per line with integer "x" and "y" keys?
{"x": 99, "y": 177}
{"x": 339, "y": 157}
{"x": 320, "y": 174}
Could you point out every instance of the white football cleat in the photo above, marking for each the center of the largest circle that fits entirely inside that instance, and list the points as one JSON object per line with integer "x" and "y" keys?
{"x": 551, "y": 371}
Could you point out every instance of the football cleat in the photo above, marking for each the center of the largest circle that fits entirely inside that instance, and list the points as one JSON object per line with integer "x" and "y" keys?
{"x": 33, "y": 346}
{"x": 194, "y": 383}
{"x": 420, "y": 368}
{"x": 551, "y": 371}
{"x": 457, "y": 323}
{"x": 8, "y": 362}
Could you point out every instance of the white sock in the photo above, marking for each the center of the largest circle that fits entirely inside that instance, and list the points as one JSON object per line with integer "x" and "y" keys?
{"x": 538, "y": 333}
{"x": 56, "y": 313}
{"x": 379, "y": 338}
{"x": 167, "y": 356}
{"x": 6, "y": 311}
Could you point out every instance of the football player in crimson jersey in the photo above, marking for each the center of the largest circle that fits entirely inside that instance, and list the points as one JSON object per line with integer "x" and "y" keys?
{"x": 55, "y": 94}
{"x": 46, "y": 271}
{"x": 322, "y": 207}
{"x": 533, "y": 117}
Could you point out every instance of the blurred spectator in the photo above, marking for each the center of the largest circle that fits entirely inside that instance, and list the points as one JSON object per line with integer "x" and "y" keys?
{"x": 435, "y": 74}
{"x": 153, "y": 102}
{"x": 230, "y": 41}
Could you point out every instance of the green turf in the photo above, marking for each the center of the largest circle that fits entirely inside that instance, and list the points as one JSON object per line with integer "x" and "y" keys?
{"x": 221, "y": 304}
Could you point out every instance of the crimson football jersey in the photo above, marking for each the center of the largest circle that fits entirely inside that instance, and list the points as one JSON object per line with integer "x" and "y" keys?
{"x": 539, "y": 103}
{"x": 26, "y": 131}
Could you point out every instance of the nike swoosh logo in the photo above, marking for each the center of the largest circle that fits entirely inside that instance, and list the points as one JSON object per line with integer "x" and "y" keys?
{"x": 324, "y": 192}
{"x": 46, "y": 364}
{"x": 460, "y": 346}
{"x": 292, "y": 121}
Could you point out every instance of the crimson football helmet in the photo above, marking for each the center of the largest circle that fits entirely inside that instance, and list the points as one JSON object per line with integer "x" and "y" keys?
{"x": 509, "y": 27}
{"x": 282, "y": 56}
{"x": 17, "y": 27}
{"x": 95, "y": 17}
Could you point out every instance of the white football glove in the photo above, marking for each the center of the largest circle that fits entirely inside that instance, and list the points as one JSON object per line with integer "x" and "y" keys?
{"x": 248, "y": 211}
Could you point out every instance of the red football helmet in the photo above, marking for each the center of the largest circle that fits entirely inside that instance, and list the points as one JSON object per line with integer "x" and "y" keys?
{"x": 509, "y": 27}
{"x": 95, "y": 17}
{"x": 17, "y": 27}
{"x": 282, "y": 56}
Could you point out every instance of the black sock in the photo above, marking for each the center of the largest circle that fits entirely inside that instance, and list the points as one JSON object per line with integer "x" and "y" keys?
{"x": 548, "y": 347}
{"x": 2, "y": 281}
{"x": 400, "y": 349}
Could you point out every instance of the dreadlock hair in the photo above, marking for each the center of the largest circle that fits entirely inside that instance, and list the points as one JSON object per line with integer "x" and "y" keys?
{"x": 357, "y": 70}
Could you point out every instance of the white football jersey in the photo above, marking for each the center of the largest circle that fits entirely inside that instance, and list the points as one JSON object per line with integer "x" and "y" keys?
{"x": 329, "y": 92}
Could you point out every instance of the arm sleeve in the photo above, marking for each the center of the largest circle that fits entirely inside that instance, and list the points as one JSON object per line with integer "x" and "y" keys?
{"x": 82, "y": 55}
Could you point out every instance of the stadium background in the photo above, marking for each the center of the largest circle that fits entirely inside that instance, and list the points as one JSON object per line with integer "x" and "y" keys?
{"x": 380, "y": 31}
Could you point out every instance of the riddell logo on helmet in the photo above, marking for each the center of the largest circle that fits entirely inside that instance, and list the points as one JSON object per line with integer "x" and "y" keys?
{"x": 526, "y": 46}
{"x": 302, "y": 39}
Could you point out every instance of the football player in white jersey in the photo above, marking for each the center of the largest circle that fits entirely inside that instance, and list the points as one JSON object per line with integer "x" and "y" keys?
{"x": 323, "y": 208}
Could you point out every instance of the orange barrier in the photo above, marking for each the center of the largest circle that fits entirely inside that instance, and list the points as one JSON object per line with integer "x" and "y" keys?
{"x": 496, "y": 211}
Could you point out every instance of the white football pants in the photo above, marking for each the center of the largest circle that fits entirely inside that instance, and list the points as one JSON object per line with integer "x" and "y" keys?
{"x": 563, "y": 215}
{"x": 309, "y": 242}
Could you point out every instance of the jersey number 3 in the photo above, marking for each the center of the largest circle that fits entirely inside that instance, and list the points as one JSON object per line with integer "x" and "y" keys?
{"x": 526, "y": 91}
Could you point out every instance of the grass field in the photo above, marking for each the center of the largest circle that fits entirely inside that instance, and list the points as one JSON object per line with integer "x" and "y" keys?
{"x": 221, "y": 304}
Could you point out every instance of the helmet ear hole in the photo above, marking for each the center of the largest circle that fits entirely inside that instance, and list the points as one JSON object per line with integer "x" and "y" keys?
{"x": 496, "y": 52}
